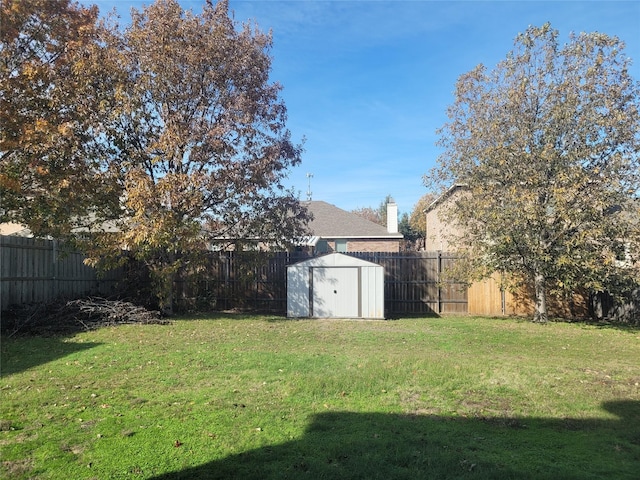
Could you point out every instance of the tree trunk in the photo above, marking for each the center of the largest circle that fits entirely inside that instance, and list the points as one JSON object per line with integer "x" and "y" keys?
{"x": 163, "y": 286}
{"x": 170, "y": 289}
{"x": 540, "y": 314}
{"x": 167, "y": 308}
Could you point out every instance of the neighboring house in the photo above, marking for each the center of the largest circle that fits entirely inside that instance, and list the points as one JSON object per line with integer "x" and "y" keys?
{"x": 488, "y": 297}
{"x": 19, "y": 230}
{"x": 437, "y": 230}
{"x": 336, "y": 230}
{"x": 332, "y": 230}
{"x": 14, "y": 229}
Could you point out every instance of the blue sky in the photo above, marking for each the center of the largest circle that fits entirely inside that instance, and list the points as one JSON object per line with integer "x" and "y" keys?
{"x": 367, "y": 82}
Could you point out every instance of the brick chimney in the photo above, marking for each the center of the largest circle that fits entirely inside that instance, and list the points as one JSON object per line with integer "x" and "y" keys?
{"x": 392, "y": 216}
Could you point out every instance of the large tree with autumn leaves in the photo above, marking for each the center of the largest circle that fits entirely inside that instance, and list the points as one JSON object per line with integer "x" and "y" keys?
{"x": 548, "y": 146}
{"x": 192, "y": 140}
{"x": 51, "y": 153}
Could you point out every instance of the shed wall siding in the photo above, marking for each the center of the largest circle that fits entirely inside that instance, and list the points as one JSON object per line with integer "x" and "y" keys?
{"x": 298, "y": 292}
{"x": 372, "y": 300}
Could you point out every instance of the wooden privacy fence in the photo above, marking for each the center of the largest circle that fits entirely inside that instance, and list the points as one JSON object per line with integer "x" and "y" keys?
{"x": 257, "y": 280}
{"x": 412, "y": 283}
{"x": 35, "y": 270}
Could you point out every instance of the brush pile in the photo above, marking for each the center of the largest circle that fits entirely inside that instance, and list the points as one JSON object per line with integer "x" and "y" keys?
{"x": 64, "y": 317}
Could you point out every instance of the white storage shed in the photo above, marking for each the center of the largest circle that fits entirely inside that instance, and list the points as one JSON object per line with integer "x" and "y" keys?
{"x": 335, "y": 286}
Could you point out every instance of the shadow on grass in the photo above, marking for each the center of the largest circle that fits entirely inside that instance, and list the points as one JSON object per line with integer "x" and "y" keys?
{"x": 425, "y": 315}
{"x": 22, "y": 353}
{"x": 341, "y": 445}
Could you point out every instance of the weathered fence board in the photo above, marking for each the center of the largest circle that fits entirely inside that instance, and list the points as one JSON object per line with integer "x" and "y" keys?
{"x": 35, "y": 270}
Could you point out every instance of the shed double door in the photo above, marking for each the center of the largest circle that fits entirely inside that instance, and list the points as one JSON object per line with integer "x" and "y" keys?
{"x": 335, "y": 292}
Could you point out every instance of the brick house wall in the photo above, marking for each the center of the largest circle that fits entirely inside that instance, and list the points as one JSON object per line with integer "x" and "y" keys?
{"x": 438, "y": 231}
{"x": 364, "y": 245}
{"x": 373, "y": 246}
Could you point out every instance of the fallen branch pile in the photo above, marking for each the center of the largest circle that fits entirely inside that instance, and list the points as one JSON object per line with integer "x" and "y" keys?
{"x": 61, "y": 317}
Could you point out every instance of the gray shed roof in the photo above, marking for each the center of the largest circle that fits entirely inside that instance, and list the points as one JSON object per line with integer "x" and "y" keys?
{"x": 330, "y": 221}
{"x": 334, "y": 260}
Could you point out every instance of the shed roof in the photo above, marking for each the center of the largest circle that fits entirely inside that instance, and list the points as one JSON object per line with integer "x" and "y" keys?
{"x": 330, "y": 221}
{"x": 335, "y": 260}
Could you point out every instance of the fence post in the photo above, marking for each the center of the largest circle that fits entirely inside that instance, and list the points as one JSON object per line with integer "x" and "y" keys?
{"x": 227, "y": 280}
{"x": 3, "y": 287}
{"x": 439, "y": 282}
{"x": 54, "y": 270}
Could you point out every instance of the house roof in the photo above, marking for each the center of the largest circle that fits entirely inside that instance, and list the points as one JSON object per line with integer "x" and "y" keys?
{"x": 450, "y": 191}
{"x": 14, "y": 229}
{"x": 330, "y": 221}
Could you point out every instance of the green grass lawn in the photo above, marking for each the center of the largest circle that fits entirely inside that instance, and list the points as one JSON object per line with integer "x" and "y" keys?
{"x": 253, "y": 397}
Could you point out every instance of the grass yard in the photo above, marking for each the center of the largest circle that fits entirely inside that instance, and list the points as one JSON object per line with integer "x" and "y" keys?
{"x": 252, "y": 397}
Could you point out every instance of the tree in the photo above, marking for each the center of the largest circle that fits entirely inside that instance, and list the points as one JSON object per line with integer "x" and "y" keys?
{"x": 50, "y": 150}
{"x": 382, "y": 209}
{"x": 378, "y": 215}
{"x": 368, "y": 213}
{"x": 548, "y": 144}
{"x": 198, "y": 141}
{"x": 411, "y": 236}
{"x": 417, "y": 219}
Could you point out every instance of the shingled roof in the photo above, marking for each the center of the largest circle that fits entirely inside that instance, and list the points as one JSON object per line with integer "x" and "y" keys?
{"x": 330, "y": 221}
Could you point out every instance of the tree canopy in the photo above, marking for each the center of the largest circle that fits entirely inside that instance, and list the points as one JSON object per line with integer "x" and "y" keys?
{"x": 377, "y": 215}
{"x": 417, "y": 218}
{"x": 548, "y": 145}
{"x": 180, "y": 126}
{"x": 50, "y": 146}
